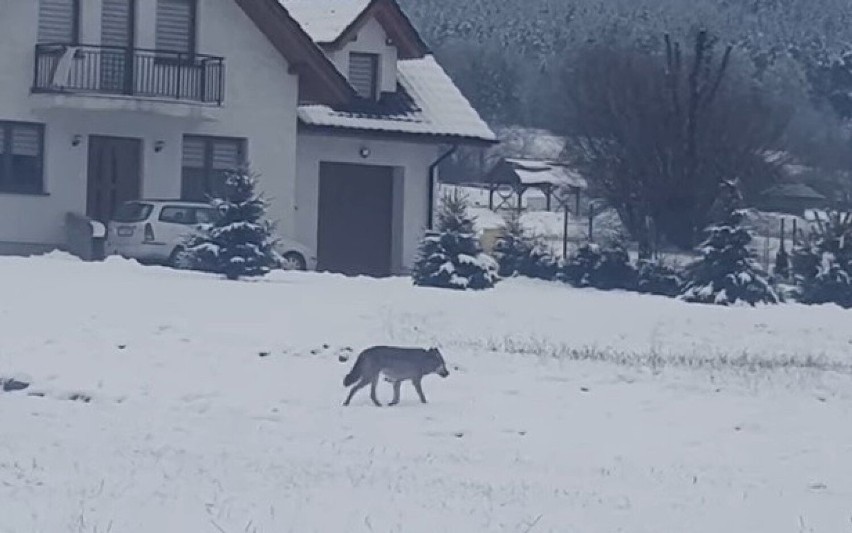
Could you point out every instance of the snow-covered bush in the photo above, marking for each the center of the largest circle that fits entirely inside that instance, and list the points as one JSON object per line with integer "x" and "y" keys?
{"x": 655, "y": 277}
{"x": 604, "y": 268}
{"x": 452, "y": 257}
{"x": 831, "y": 284}
{"x": 823, "y": 266}
{"x": 727, "y": 272}
{"x": 614, "y": 270}
{"x": 239, "y": 243}
{"x": 578, "y": 267}
{"x": 520, "y": 254}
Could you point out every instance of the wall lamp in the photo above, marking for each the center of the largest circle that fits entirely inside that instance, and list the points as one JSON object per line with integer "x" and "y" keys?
{"x": 76, "y": 140}
{"x": 364, "y": 152}
{"x": 159, "y": 145}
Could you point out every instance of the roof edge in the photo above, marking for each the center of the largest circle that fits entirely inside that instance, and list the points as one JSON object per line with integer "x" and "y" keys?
{"x": 436, "y": 138}
{"x": 317, "y": 74}
{"x": 406, "y": 38}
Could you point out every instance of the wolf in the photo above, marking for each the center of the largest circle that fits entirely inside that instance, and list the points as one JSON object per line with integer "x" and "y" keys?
{"x": 396, "y": 364}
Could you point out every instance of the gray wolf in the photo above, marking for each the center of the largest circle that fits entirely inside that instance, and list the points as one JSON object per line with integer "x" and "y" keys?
{"x": 396, "y": 364}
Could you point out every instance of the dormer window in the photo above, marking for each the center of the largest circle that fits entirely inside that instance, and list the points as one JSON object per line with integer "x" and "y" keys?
{"x": 364, "y": 74}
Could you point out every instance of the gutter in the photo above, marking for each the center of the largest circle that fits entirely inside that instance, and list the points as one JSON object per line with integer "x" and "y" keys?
{"x": 433, "y": 182}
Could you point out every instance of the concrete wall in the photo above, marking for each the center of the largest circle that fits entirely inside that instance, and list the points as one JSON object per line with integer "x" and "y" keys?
{"x": 411, "y": 186}
{"x": 372, "y": 39}
{"x": 260, "y": 105}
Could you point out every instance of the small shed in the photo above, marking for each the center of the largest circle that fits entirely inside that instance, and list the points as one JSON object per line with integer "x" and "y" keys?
{"x": 792, "y": 198}
{"x": 512, "y": 177}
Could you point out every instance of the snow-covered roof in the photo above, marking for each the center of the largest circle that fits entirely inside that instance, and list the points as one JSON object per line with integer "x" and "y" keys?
{"x": 427, "y": 102}
{"x": 325, "y": 20}
{"x": 793, "y": 190}
{"x": 534, "y": 172}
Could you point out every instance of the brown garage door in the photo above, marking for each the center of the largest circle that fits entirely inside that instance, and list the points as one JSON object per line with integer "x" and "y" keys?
{"x": 354, "y": 232}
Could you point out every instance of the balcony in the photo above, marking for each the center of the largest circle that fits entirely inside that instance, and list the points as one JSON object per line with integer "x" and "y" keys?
{"x": 129, "y": 74}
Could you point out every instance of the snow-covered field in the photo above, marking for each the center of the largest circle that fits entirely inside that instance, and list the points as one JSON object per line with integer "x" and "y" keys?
{"x": 177, "y": 402}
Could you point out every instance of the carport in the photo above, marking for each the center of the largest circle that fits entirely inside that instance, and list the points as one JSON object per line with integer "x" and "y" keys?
{"x": 512, "y": 177}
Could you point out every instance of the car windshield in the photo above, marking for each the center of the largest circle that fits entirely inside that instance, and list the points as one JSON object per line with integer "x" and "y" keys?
{"x": 132, "y": 212}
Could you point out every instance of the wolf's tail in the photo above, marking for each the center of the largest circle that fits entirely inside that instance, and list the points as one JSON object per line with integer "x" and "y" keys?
{"x": 355, "y": 373}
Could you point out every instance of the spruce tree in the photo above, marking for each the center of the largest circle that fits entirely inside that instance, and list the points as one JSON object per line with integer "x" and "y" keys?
{"x": 823, "y": 265}
{"x": 513, "y": 247}
{"x": 727, "y": 272}
{"x": 240, "y": 242}
{"x": 452, "y": 256}
{"x": 520, "y": 254}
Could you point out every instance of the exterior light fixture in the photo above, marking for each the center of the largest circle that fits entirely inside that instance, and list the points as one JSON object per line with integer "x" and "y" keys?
{"x": 76, "y": 140}
{"x": 158, "y": 146}
{"x": 364, "y": 152}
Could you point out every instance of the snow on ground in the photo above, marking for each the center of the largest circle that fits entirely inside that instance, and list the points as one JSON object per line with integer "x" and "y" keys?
{"x": 207, "y": 405}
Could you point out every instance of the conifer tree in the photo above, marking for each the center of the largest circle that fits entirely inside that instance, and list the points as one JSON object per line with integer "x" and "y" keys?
{"x": 452, "y": 256}
{"x": 240, "y": 242}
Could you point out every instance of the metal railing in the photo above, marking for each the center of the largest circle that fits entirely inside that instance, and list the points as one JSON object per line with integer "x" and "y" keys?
{"x": 84, "y": 69}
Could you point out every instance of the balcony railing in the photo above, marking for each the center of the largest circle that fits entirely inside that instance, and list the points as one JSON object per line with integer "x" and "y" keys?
{"x": 61, "y": 68}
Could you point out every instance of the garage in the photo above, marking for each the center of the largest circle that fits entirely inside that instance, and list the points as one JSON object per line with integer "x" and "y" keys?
{"x": 355, "y": 226}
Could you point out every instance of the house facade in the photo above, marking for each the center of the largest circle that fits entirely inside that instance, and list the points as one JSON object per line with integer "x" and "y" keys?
{"x": 104, "y": 101}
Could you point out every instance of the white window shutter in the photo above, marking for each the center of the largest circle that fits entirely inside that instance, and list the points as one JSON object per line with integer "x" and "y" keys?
{"x": 56, "y": 21}
{"x": 25, "y": 140}
{"x": 115, "y": 23}
{"x": 227, "y": 155}
{"x": 175, "y": 25}
{"x": 363, "y": 74}
{"x": 193, "y": 152}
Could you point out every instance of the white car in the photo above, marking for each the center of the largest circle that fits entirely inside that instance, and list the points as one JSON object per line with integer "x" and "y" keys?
{"x": 153, "y": 231}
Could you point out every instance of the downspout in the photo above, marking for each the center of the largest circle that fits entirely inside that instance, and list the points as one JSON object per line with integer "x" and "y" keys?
{"x": 433, "y": 182}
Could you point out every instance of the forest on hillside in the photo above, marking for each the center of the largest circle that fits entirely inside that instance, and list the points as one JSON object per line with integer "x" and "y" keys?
{"x": 517, "y": 61}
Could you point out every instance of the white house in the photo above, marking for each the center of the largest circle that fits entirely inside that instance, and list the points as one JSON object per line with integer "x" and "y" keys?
{"x": 337, "y": 104}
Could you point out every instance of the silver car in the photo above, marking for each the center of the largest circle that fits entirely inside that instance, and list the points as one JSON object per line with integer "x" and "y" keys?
{"x": 153, "y": 231}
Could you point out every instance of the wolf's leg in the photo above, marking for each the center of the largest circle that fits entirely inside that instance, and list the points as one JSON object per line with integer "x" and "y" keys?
{"x": 396, "y": 386}
{"x": 373, "y": 386}
{"x": 419, "y": 388}
{"x": 360, "y": 385}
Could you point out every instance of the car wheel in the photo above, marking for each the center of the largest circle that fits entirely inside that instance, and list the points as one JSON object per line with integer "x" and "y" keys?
{"x": 293, "y": 261}
{"x": 180, "y": 259}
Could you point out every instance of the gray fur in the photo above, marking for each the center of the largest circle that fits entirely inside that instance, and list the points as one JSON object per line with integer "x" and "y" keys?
{"x": 396, "y": 364}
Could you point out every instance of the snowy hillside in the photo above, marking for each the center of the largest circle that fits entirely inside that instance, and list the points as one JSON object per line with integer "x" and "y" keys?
{"x": 177, "y": 402}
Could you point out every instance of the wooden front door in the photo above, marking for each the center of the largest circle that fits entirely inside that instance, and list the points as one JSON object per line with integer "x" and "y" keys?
{"x": 114, "y": 175}
{"x": 355, "y": 226}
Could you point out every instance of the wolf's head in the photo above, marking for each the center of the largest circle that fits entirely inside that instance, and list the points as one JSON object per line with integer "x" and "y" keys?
{"x": 441, "y": 369}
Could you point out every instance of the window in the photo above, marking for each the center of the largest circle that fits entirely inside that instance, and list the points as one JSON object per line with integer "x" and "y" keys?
{"x": 187, "y": 215}
{"x": 206, "y": 163}
{"x": 205, "y": 216}
{"x": 21, "y": 151}
{"x": 132, "y": 212}
{"x": 177, "y": 215}
{"x": 363, "y": 74}
{"x": 59, "y": 21}
{"x": 176, "y": 26}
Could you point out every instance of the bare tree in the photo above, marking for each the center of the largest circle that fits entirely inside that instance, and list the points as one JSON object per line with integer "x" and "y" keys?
{"x": 658, "y": 132}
